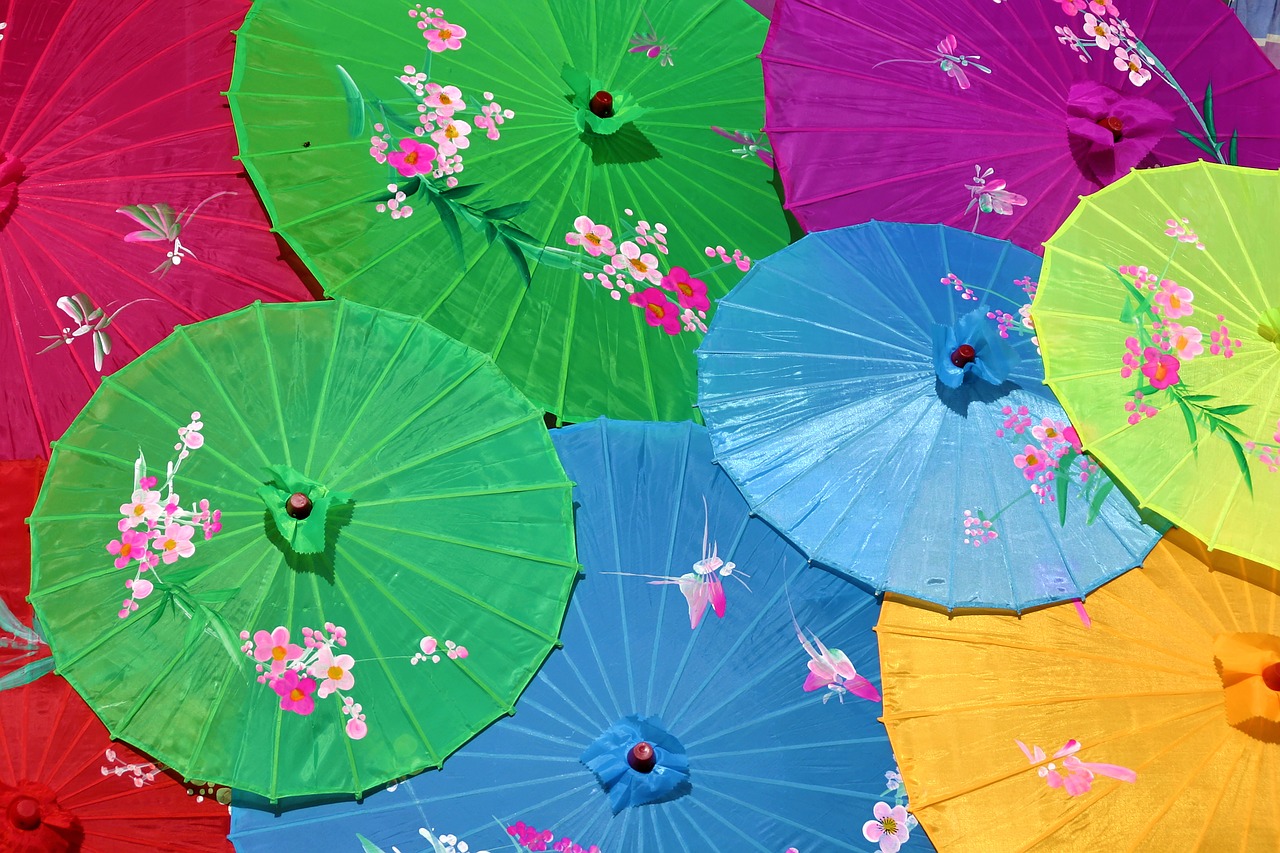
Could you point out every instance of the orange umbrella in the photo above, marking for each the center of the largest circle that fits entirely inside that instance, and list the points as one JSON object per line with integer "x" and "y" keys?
{"x": 1154, "y": 725}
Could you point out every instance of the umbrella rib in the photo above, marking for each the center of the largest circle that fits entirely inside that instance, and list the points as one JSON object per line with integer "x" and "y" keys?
{"x": 274, "y": 382}
{"x": 753, "y": 841}
{"x": 34, "y": 75}
{"x": 327, "y": 382}
{"x": 610, "y": 489}
{"x": 77, "y": 164}
{"x": 504, "y": 704}
{"x": 374, "y": 387}
{"x": 843, "y": 332}
{"x": 41, "y": 430}
{"x": 683, "y": 467}
{"x": 607, "y": 717}
{"x": 371, "y": 638}
{"x": 1181, "y": 789}
{"x": 1228, "y": 778}
{"x": 513, "y": 490}
{"x": 1240, "y": 242}
{"x": 444, "y": 451}
{"x": 453, "y": 588}
{"x": 182, "y": 334}
{"x": 593, "y": 726}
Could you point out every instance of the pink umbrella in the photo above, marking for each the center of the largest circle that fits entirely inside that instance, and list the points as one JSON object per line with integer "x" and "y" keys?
{"x": 997, "y": 116}
{"x": 122, "y": 210}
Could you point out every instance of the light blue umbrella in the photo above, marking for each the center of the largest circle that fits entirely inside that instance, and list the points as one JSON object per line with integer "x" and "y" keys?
{"x": 764, "y": 734}
{"x": 875, "y": 393}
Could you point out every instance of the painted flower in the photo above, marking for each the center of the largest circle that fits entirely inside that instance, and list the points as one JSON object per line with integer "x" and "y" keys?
{"x": 658, "y": 310}
{"x": 132, "y": 545}
{"x": 691, "y": 292}
{"x": 447, "y": 37}
{"x": 596, "y": 239}
{"x": 1073, "y": 438}
{"x": 276, "y": 648}
{"x": 889, "y": 827}
{"x": 357, "y": 728}
{"x": 1185, "y": 340}
{"x": 295, "y": 692}
{"x": 1048, "y": 432}
{"x": 413, "y": 158}
{"x": 446, "y": 100}
{"x": 1100, "y": 8}
{"x": 1031, "y": 460}
{"x": 451, "y": 136}
{"x": 1103, "y": 34}
{"x": 642, "y": 265}
{"x": 144, "y": 506}
{"x": 1071, "y": 7}
{"x": 140, "y": 588}
{"x": 175, "y": 542}
{"x": 333, "y": 670}
{"x": 1174, "y": 300}
{"x": 1131, "y": 62}
{"x": 1161, "y": 370}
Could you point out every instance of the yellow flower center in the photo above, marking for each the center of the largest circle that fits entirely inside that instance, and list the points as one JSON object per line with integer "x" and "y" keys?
{"x": 125, "y": 549}
{"x": 170, "y": 544}
{"x": 445, "y": 100}
{"x": 336, "y": 673}
{"x": 296, "y": 695}
{"x": 139, "y": 509}
{"x": 1161, "y": 371}
{"x": 889, "y": 825}
{"x": 658, "y": 310}
{"x": 685, "y": 288}
{"x": 1181, "y": 342}
{"x": 592, "y": 239}
{"x": 278, "y": 652}
{"x": 1100, "y": 29}
{"x": 1031, "y": 459}
{"x": 411, "y": 158}
{"x": 451, "y": 132}
{"x": 1050, "y": 432}
{"x": 446, "y": 34}
{"x": 1174, "y": 301}
{"x": 1133, "y": 66}
{"x": 639, "y": 265}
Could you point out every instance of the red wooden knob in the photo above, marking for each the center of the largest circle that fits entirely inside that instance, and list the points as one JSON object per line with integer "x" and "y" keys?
{"x": 298, "y": 506}
{"x": 602, "y": 104}
{"x": 964, "y": 354}
{"x": 641, "y": 757}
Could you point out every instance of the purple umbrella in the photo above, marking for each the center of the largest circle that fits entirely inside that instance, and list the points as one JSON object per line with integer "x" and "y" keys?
{"x": 997, "y": 116}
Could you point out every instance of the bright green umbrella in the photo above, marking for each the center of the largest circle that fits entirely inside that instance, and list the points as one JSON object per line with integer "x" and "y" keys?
{"x": 584, "y": 253}
{"x": 397, "y": 607}
{"x": 1158, "y": 316}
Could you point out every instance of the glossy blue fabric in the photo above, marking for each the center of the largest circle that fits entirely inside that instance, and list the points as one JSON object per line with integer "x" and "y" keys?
{"x": 771, "y": 766}
{"x": 820, "y": 385}
{"x": 995, "y": 356}
{"x": 627, "y": 787}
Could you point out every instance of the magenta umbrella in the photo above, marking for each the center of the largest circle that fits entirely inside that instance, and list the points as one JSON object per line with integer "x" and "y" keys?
{"x": 997, "y": 116}
{"x": 122, "y": 210}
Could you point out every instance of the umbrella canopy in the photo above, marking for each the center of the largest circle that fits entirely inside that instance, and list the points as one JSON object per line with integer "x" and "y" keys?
{"x": 66, "y": 787}
{"x": 1010, "y": 111}
{"x": 1160, "y": 298}
{"x": 122, "y": 211}
{"x": 1155, "y": 729}
{"x": 878, "y": 398}
{"x": 458, "y": 165}
{"x": 21, "y": 479}
{"x": 763, "y": 732}
{"x": 369, "y": 506}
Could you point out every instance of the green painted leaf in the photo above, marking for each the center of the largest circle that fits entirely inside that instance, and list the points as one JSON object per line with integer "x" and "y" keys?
{"x": 1241, "y": 459}
{"x": 1188, "y": 417}
{"x": 1208, "y": 110}
{"x": 1061, "y": 485}
{"x": 10, "y": 623}
{"x": 460, "y": 191}
{"x": 1233, "y": 149}
{"x": 450, "y": 223}
{"x": 1199, "y": 143}
{"x": 195, "y": 629}
{"x": 517, "y": 258}
{"x": 230, "y": 639}
{"x": 216, "y": 596}
{"x": 508, "y": 211}
{"x": 1099, "y": 498}
{"x": 369, "y": 846}
{"x": 1228, "y": 411}
{"x": 27, "y": 674}
{"x": 355, "y": 103}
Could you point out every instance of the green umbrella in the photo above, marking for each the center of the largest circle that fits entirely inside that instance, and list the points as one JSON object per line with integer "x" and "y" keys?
{"x": 343, "y": 542}
{"x": 1159, "y": 317}
{"x": 588, "y": 177}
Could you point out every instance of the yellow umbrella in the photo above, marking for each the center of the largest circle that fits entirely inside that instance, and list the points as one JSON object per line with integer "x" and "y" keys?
{"x": 1050, "y": 732}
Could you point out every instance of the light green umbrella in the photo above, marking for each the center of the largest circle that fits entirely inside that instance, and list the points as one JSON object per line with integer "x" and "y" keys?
{"x": 1158, "y": 315}
{"x": 342, "y": 540}
{"x": 584, "y": 252}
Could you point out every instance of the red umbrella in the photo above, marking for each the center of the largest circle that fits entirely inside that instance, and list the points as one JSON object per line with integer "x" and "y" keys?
{"x": 21, "y": 484}
{"x": 66, "y": 787}
{"x": 122, "y": 210}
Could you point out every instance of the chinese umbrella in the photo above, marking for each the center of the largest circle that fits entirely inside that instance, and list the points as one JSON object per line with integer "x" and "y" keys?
{"x": 1157, "y": 728}
{"x": 356, "y": 557}
{"x": 1160, "y": 323}
{"x": 877, "y": 396}
{"x": 566, "y": 186}
{"x": 761, "y": 733}
{"x": 122, "y": 211}
{"x": 983, "y": 115}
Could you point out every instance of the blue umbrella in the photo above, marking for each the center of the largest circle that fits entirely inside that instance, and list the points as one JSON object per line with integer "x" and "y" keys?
{"x": 875, "y": 393}
{"x": 762, "y": 734}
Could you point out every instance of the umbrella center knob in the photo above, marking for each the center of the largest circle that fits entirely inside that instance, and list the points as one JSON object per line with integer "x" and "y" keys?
{"x": 1271, "y": 676}
{"x": 1113, "y": 124}
{"x": 641, "y": 757}
{"x": 602, "y": 104}
{"x": 298, "y": 506}
{"x": 964, "y": 354}
{"x": 24, "y": 813}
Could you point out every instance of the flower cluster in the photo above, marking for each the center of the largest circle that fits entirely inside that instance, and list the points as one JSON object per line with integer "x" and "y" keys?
{"x": 977, "y": 529}
{"x": 449, "y": 843}
{"x": 532, "y": 839}
{"x": 892, "y": 825}
{"x": 140, "y": 774}
{"x": 1102, "y": 27}
{"x": 441, "y": 112}
{"x": 738, "y": 259}
{"x": 1056, "y": 451}
{"x": 156, "y": 529}
{"x": 1074, "y": 776}
{"x": 633, "y": 267}
{"x": 430, "y": 651}
{"x": 301, "y": 674}
{"x": 966, "y": 292}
